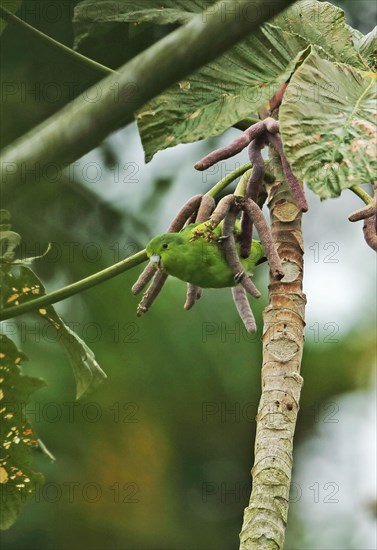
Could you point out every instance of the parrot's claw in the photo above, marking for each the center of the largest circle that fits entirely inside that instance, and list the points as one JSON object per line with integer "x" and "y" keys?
{"x": 239, "y": 276}
{"x": 222, "y": 238}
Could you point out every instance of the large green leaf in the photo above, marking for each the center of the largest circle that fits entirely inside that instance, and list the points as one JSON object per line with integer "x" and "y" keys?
{"x": 322, "y": 25}
{"x": 319, "y": 23}
{"x": 18, "y": 481}
{"x": 92, "y": 17}
{"x": 221, "y": 93}
{"x": 240, "y": 82}
{"x": 20, "y": 284}
{"x": 328, "y": 125}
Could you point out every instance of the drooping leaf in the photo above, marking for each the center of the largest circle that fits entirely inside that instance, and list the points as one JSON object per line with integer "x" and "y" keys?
{"x": 18, "y": 481}
{"x": 10, "y": 5}
{"x": 328, "y": 126}
{"x": 29, "y": 260}
{"x": 19, "y": 285}
{"x": 9, "y": 241}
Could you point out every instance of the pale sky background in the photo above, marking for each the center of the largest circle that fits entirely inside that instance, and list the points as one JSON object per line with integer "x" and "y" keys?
{"x": 335, "y": 478}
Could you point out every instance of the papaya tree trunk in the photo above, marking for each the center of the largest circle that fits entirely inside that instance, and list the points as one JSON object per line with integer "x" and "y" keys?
{"x": 265, "y": 518}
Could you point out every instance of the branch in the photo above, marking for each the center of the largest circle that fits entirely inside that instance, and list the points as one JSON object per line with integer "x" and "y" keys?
{"x": 107, "y": 106}
{"x": 75, "y": 288}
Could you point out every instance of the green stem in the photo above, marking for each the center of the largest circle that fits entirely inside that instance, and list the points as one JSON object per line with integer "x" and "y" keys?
{"x": 11, "y": 18}
{"x": 228, "y": 179}
{"x": 74, "y": 288}
{"x": 364, "y": 196}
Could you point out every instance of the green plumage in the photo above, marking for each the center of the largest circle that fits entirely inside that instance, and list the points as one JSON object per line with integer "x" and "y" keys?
{"x": 199, "y": 261}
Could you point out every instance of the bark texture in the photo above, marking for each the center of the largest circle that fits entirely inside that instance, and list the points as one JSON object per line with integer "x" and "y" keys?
{"x": 265, "y": 518}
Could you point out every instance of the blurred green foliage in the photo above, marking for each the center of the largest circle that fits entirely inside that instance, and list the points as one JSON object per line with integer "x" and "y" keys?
{"x": 160, "y": 455}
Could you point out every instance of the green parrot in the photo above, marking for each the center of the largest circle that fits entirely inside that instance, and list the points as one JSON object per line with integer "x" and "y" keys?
{"x": 199, "y": 260}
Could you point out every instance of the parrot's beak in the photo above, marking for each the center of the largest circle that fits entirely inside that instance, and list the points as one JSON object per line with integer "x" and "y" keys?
{"x": 155, "y": 259}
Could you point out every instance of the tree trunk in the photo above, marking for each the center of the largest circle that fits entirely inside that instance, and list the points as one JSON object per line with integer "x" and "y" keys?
{"x": 265, "y": 518}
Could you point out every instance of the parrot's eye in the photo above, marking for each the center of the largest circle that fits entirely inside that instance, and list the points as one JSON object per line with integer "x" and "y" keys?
{"x": 165, "y": 246}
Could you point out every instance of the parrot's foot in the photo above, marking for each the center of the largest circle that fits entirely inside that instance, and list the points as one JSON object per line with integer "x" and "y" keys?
{"x": 239, "y": 276}
{"x": 222, "y": 238}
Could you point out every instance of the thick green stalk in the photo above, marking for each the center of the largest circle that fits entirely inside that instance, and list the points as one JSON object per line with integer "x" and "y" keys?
{"x": 265, "y": 518}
